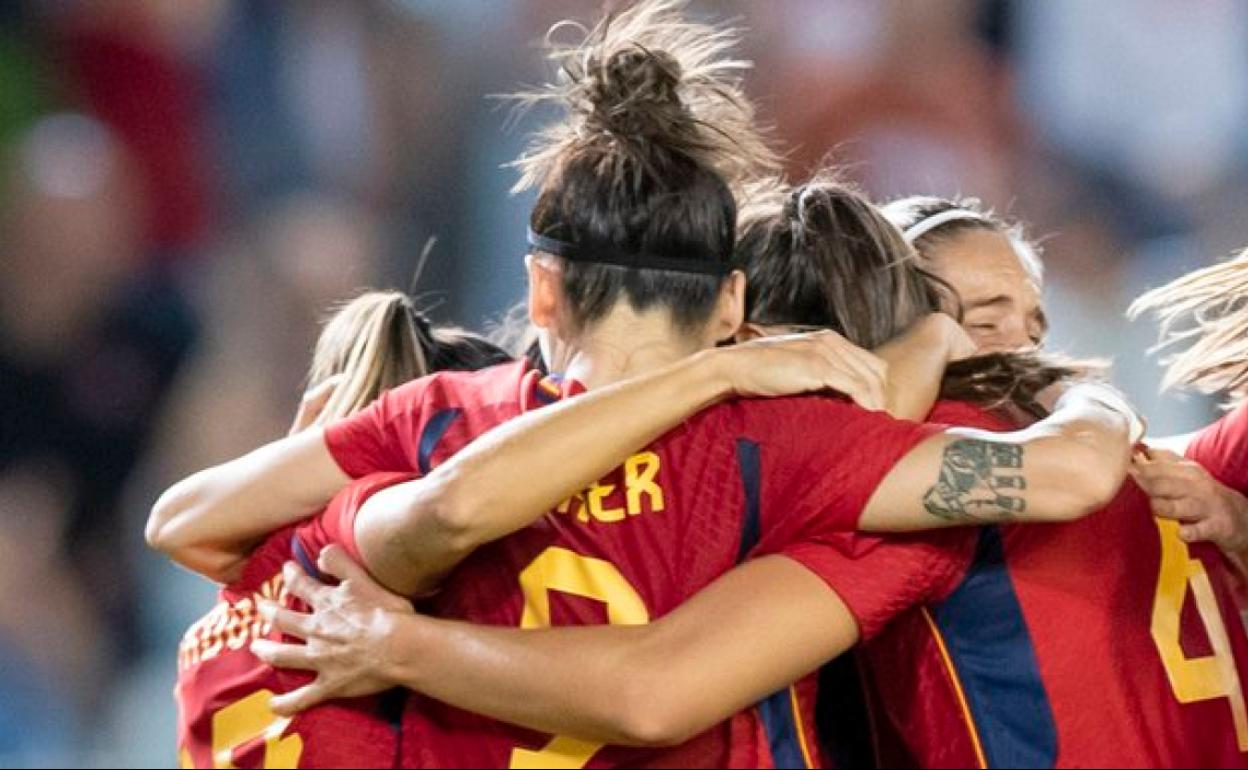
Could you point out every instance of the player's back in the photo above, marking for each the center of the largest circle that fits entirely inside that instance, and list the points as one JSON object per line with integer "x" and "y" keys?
{"x": 626, "y": 551}
{"x": 739, "y": 480}
{"x": 1102, "y": 642}
{"x": 223, "y": 690}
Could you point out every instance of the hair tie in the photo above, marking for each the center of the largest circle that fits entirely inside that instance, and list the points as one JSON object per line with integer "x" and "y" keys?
{"x": 607, "y": 254}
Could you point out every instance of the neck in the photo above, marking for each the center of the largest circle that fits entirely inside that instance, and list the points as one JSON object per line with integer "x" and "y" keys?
{"x": 628, "y": 344}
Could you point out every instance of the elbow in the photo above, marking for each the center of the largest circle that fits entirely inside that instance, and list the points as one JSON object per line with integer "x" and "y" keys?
{"x": 160, "y": 531}
{"x": 456, "y": 514}
{"x": 650, "y": 714}
{"x": 167, "y": 529}
{"x": 645, "y": 723}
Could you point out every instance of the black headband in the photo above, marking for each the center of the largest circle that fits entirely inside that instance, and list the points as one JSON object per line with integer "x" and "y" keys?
{"x": 605, "y": 254}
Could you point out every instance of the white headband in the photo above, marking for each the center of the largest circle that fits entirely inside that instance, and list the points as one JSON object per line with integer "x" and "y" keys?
{"x": 925, "y": 226}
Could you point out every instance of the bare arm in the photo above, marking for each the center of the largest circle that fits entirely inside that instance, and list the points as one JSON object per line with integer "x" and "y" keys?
{"x": 210, "y": 521}
{"x": 410, "y": 535}
{"x": 414, "y": 533}
{"x": 768, "y": 623}
{"x": 1064, "y": 467}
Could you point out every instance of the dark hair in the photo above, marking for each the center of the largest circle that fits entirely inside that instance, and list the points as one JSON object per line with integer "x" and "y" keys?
{"x": 815, "y": 257}
{"x": 822, "y": 255}
{"x": 908, "y": 213}
{"x": 656, "y": 133}
{"x": 457, "y": 350}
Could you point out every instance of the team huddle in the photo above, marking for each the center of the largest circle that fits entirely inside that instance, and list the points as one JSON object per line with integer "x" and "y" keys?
{"x": 761, "y": 427}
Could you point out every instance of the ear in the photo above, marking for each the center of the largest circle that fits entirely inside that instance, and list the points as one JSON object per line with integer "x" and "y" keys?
{"x": 544, "y": 289}
{"x": 730, "y": 314}
{"x": 749, "y": 331}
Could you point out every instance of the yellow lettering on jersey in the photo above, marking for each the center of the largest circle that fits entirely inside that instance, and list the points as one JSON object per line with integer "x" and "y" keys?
{"x": 250, "y": 719}
{"x": 562, "y": 753}
{"x": 579, "y": 500}
{"x": 595, "y": 496}
{"x": 1194, "y": 680}
{"x": 640, "y": 473}
{"x": 642, "y": 493}
{"x": 563, "y": 571}
{"x": 559, "y": 569}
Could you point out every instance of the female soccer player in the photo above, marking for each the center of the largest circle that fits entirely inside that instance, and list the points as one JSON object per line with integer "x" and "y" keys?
{"x": 991, "y": 263}
{"x": 225, "y": 692}
{"x": 1015, "y": 638}
{"x": 854, "y": 222}
{"x": 632, "y": 270}
{"x": 998, "y": 272}
{"x": 375, "y": 342}
{"x": 1204, "y": 320}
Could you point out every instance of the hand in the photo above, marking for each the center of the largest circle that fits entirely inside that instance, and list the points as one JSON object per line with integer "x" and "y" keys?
{"x": 805, "y": 363}
{"x": 348, "y": 634}
{"x": 944, "y": 329}
{"x": 313, "y": 404}
{"x": 1184, "y": 491}
{"x": 959, "y": 343}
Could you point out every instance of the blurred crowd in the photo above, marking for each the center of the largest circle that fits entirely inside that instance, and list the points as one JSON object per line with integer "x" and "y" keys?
{"x": 186, "y": 187}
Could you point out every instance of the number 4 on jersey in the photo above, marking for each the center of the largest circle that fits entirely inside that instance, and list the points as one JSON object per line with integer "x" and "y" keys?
{"x": 1194, "y": 679}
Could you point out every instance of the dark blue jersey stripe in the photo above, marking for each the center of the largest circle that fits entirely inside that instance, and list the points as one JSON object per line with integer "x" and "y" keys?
{"x": 991, "y": 649}
{"x": 434, "y": 430}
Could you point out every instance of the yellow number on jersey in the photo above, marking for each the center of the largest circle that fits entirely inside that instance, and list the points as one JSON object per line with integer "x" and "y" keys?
{"x": 1194, "y": 679}
{"x": 559, "y": 569}
{"x": 245, "y": 721}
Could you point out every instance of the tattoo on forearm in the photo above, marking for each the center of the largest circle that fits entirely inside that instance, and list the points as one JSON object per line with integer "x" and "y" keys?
{"x": 980, "y": 481}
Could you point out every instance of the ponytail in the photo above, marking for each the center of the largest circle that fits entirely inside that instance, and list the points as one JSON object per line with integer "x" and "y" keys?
{"x": 379, "y": 341}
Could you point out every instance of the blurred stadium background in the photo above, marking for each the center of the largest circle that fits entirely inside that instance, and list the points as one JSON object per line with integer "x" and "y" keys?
{"x": 185, "y": 185}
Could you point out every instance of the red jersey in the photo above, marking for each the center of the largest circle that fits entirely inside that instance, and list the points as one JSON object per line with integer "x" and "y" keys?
{"x": 740, "y": 480}
{"x": 223, "y": 690}
{"x": 1223, "y": 449}
{"x": 1105, "y": 642}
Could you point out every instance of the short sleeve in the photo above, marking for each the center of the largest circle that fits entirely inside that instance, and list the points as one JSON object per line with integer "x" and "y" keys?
{"x": 1223, "y": 449}
{"x": 880, "y": 578}
{"x": 382, "y": 437}
{"x": 336, "y": 524}
{"x": 821, "y": 460}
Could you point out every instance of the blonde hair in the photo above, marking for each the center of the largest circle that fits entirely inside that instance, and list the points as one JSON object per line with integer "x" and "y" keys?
{"x": 1204, "y": 323}
{"x": 376, "y": 342}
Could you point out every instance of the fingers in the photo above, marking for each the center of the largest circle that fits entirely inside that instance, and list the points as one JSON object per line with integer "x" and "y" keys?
{"x": 356, "y": 580}
{"x": 289, "y": 622}
{"x": 1167, "y": 477}
{"x": 866, "y": 370}
{"x": 335, "y": 562}
{"x": 1178, "y": 510}
{"x": 300, "y": 700}
{"x": 1206, "y": 531}
{"x": 310, "y": 590}
{"x": 1164, "y": 486}
{"x": 283, "y": 655}
{"x": 1165, "y": 455}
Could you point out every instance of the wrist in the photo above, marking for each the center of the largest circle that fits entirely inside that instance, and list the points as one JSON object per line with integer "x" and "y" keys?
{"x": 711, "y": 376}
{"x": 404, "y": 641}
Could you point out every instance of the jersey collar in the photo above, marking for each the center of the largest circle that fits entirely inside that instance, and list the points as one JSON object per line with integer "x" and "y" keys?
{"x": 540, "y": 390}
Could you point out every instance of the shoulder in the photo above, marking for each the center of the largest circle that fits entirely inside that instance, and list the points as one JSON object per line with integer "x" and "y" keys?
{"x": 462, "y": 389}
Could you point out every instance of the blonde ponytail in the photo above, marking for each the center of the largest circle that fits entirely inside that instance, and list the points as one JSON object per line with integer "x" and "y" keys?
{"x": 376, "y": 343}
